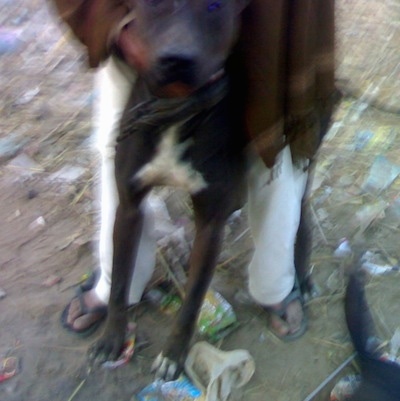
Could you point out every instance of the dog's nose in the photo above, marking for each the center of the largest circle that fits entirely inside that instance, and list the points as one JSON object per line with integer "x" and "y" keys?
{"x": 174, "y": 68}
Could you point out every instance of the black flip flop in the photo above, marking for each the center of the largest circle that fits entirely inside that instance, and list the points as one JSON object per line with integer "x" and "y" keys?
{"x": 102, "y": 310}
{"x": 294, "y": 295}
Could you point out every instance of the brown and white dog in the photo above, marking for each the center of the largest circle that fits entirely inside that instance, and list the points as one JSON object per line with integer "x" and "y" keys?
{"x": 183, "y": 127}
{"x": 186, "y": 121}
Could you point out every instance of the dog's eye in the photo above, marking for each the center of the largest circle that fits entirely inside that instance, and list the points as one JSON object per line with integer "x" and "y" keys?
{"x": 214, "y": 6}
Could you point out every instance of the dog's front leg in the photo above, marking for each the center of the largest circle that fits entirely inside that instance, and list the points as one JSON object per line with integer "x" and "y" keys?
{"x": 127, "y": 229}
{"x": 206, "y": 246}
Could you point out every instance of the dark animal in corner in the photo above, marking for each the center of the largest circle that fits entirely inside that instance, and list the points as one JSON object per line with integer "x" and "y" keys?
{"x": 380, "y": 379}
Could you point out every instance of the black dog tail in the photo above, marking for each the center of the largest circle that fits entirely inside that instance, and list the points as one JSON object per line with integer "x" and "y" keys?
{"x": 381, "y": 379}
{"x": 358, "y": 316}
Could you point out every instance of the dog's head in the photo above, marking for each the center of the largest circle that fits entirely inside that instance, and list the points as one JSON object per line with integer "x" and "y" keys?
{"x": 178, "y": 46}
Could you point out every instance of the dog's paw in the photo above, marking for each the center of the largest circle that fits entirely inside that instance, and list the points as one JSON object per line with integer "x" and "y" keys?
{"x": 107, "y": 348}
{"x": 165, "y": 368}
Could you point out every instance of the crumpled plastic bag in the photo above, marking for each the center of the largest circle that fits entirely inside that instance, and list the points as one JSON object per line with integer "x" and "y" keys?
{"x": 216, "y": 316}
{"x": 218, "y": 373}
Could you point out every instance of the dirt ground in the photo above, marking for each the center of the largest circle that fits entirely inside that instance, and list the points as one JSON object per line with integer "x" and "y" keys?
{"x": 49, "y": 210}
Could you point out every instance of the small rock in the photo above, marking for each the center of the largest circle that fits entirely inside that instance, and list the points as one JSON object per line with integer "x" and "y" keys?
{"x": 32, "y": 193}
{"x": 22, "y": 17}
{"x": 10, "y": 146}
{"x": 13, "y": 216}
{"x": 345, "y": 181}
{"x": 28, "y": 96}
{"x": 68, "y": 173}
{"x": 322, "y": 214}
{"x": 9, "y": 41}
{"x": 374, "y": 264}
{"x": 40, "y": 222}
{"x": 343, "y": 250}
{"x": 2, "y": 293}
{"x": 51, "y": 280}
{"x": 381, "y": 175}
{"x": 24, "y": 163}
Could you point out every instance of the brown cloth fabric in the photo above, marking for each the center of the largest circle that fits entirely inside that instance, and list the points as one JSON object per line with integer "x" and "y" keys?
{"x": 288, "y": 51}
{"x": 287, "y": 47}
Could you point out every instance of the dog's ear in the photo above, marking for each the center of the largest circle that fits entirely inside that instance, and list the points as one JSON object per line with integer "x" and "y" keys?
{"x": 92, "y": 22}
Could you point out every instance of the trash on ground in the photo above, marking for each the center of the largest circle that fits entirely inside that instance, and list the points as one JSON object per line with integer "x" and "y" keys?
{"x": 380, "y": 176}
{"x": 126, "y": 354}
{"x": 343, "y": 250}
{"x": 2, "y": 293}
{"x": 345, "y": 181}
{"x": 68, "y": 173}
{"x": 367, "y": 214}
{"x": 375, "y": 346}
{"x": 395, "y": 344}
{"x": 345, "y": 388}
{"x": 10, "y": 146}
{"x": 393, "y": 212}
{"x": 218, "y": 373}
{"x": 10, "y": 41}
{"x": 361, "y": 139}
{"x": 217, "y": 317}
{"x": 322, "y": 172}
{"x": 178, "y": 390}
{"x": 162, "y": 220}
{"x": 358, "y": 109}
{"x": 25, "y": 164}
{"x": 373, "y": 263}
{"x": 383, "y": 139}
{"x": 168, "y": 303}
{"x": 335, "y": 280}
{"x": 51, "y": 281}
{"x": 8, "y": 368}
{"x": 322, "y": 196}
{"x": 28, "y": 96}
{"x": 40, "y": 222}
{"x": 235, "y": 217}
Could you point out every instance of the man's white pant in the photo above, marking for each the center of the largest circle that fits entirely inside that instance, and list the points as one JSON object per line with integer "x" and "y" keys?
{"x": 113, "y": 92}
{"x": 274, "y": 207}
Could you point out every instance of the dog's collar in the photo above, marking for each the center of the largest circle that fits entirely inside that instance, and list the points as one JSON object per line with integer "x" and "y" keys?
{"x": 157, "y": 114}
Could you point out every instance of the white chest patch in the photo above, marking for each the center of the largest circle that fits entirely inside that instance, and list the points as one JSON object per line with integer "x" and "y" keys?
{"x": 167, "y": 168}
